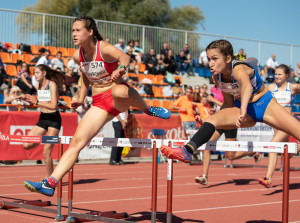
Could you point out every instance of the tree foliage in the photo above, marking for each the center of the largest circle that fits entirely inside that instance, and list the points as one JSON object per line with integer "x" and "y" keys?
{"x": 144, "y": 12}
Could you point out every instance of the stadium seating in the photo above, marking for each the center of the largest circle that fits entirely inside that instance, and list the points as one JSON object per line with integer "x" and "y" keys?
{"x": 11, "y": 70}
{"x": 5, "y": 57}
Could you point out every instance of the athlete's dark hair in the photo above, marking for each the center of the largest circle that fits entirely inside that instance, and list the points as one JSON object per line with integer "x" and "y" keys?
{"x": 285, "y": 69}
{"x": 224, "y": 46}
{"x": 57, "y": 77}
{"x": 89, "y": 23}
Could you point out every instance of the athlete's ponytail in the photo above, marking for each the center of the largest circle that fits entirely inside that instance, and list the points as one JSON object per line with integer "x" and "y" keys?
{"x": 53, "y": 75}
{"x": 89, "y": 23}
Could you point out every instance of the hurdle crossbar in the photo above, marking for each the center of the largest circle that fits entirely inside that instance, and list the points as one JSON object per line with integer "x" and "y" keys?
{"x": 248, "y": 146}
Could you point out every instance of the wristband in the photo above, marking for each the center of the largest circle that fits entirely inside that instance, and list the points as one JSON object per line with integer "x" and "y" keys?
{"x": 122, "y": 66}
{"x": 37, "y": 102}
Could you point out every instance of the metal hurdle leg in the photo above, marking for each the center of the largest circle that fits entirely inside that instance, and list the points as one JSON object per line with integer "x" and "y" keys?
{"x": 59, "y": 216}
{"x": 154, "y": 184}
{"x": 169, "y": 190}
{"x": 70, "y": 196}
{"x": 285, "y": 194}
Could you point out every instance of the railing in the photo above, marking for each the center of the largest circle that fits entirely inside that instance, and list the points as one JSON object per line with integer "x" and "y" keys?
{"x": 55, "y": 30}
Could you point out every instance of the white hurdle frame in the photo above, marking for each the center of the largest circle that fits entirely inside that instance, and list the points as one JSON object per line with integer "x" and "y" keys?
{"x": 247, "y": 146}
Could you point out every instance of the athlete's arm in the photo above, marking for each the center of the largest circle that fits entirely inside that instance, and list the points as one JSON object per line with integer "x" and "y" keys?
{"x": 111, "y": 53}
{"x": 85, "y": 83}
{"x": 240, "y": 74}
{"x": 295, "y": 88}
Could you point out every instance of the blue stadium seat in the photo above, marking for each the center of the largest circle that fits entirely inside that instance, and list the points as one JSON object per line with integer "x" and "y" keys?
{"x": 1, "y": 99}
{"x": 297, "y": 99}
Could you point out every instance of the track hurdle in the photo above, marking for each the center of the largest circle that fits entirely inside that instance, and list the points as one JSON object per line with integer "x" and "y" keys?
{"x": 37, "y": 205}
{"x": 264, "y": 147}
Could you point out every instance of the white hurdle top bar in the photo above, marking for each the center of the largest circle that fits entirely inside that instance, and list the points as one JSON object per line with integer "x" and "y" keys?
{"x": 247, "y": 146}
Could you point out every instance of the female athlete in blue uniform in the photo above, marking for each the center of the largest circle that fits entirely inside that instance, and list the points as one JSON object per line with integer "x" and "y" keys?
{"x": 246, "y": 101}
{"x": 284, "y": 93}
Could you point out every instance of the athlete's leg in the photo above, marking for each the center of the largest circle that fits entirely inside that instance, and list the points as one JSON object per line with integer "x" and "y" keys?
{"x": 48, "y": 149}
{"x": 88, "y": 127}
{"x": 125, "y": 97}
{"x": 279, "y": 136}
{"x": 238, "y": 155}
{"x": 277, "y": 117}
{"x": 35, "y": 131}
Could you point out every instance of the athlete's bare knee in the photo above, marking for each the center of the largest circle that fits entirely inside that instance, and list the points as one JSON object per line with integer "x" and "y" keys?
{"x": 27, "y": 146}
{"x": 76, "y": 145}
{"x": 230, "y": 155}
{"x": 120, "y": 91}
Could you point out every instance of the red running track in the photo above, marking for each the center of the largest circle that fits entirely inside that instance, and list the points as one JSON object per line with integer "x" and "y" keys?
{"x": 233, "y": 195}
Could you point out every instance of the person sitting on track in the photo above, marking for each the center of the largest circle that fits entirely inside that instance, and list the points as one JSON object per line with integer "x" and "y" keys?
{"x": 99, "y": 62}
{"x": 284, "y": 92}
{"x": 246, "y": 101}
{"x": 49, "y": 85}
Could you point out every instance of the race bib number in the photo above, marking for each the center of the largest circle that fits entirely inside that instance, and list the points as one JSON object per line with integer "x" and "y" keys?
{"x": 44, "y": 95}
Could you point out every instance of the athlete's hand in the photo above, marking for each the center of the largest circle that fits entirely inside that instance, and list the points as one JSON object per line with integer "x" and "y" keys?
{"x": 199, "y": 119}
{"x": 240, "y": 120}
{"x": 75, "y": 104}
{"x": 117, "y": 74}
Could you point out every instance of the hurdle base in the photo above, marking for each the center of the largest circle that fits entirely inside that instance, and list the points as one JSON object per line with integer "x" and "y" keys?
{"x": 60, "y": 218}
{"x": 169, "y": 217}
{"x": 153, "y": 216}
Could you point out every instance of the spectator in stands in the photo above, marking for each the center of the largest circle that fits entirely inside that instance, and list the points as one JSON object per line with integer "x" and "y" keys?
{"x": 45, "y": 59}
{"x": 197, "y": 93}
{"x": 75, "y": 66}
{"x": 165, "y": 50}
{"x": 186, "y": 49}
{"x": 161, "y": 69}
{"x": 190, "y": 66}
{"x": 23, "y": 80}
{"x": 264, "y": 73}
{"x": 203, "y": 107}
{"x": 138, "y": 51}
{"x": 130, "y": 45}
{"x": 71, "y": 81}
{"x": 15, "y": 98}
{"x": 3, "y": 84}
{"x": 203, "y": 90}
{"x": 107, "y": 40}
{"x": 58, "y": 62}
{"x": 292, "y": 77}
{"x": 133, "y": 67}
{"x": 151, "y": 62}
{"x": 217, "y": 94}
{"x": 169, "y": 62}
{"x": 121, "y": 45}
{"x": 272, "y": 64}
{"x": 203, "y": 61}
{"x": 185, "y": 106}
{"x": 241, "y": 55}
{"x": 182, "y": 63}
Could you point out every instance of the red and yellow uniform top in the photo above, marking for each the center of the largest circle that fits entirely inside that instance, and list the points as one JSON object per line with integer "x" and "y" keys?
{"x": 185, "y": 102}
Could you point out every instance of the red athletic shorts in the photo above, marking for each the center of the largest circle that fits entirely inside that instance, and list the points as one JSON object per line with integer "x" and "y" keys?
{"x": 105, "y": 101}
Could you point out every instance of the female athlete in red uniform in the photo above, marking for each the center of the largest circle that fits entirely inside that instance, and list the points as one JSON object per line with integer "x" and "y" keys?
{"x": 103, "y": 66}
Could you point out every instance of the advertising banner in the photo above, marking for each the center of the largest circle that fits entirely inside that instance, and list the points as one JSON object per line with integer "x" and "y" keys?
{"x": 19, "y": 124}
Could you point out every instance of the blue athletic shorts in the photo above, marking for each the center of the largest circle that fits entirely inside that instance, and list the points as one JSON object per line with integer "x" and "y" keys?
{"x": 257, "y": 109}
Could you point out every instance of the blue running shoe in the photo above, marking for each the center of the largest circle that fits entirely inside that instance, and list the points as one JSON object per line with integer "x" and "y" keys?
{"x": 159, "y": 112}
{"x": 40, "y": 187}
